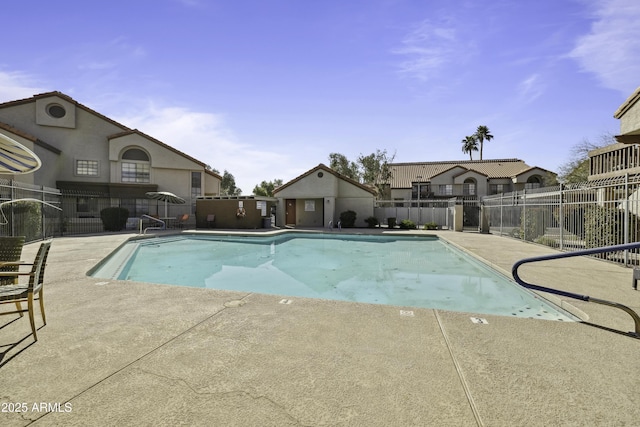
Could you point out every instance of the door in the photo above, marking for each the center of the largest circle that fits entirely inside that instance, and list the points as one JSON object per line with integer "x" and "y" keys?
{"x": 290, "y": 212}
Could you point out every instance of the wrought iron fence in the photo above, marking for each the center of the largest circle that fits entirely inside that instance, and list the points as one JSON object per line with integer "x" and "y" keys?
{"x": 571, "y": 217}
{"x": 29, "y": 210}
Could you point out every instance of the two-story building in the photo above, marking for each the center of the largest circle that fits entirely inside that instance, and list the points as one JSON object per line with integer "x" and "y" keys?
{"x": 89, "y": 156}
{"x": 464, "y": 179}
{"x": 617, "y": 160}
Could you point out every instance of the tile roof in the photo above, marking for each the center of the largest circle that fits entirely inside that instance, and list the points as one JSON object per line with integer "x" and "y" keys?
{"x": 125, "y": 130}
{"x": 403, "y": 174}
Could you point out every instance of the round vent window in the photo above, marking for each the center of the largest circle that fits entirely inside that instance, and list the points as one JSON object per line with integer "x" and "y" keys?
{"x": 320, "y": 174}
{"x": 56, "y": 110}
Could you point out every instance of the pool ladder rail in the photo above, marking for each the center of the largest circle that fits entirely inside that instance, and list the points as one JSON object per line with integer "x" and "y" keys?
{"x": 163, "y": 225}
{"x": 614, "y": 248}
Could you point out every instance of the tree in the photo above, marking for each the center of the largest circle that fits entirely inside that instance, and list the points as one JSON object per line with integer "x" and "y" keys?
{"x": 339, "y": 163}
{"x": 228, "y": 185}
{"x": 266, "y": 188}
{"x": 469, "y": 145}
{"x": 373, "y": 170}
{"x": 376, "y": 170}
{"x": 576, "y": 169}
{"x": 482, "y": 134}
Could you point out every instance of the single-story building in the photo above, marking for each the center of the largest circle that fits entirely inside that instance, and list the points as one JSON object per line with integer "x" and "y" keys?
{"x": 318, "y": 197}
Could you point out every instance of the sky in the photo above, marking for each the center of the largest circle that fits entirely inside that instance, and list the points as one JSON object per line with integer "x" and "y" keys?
{"x": 267, "y": 89}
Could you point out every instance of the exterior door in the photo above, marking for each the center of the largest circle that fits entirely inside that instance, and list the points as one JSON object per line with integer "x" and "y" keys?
{"x": 290, "y": 212}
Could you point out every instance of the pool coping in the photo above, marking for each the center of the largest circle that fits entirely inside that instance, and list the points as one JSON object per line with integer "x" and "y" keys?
{"x": 121, "y": 354}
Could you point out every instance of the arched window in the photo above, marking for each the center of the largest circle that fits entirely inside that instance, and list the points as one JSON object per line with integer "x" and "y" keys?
{"x": 469, "y": 187}
{"x": 135, "y": 166}
{"x": 534, "y": 181}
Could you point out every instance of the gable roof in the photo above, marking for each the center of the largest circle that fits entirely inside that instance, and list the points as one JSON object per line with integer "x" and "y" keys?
{"x": 328, "y": 170}
{"x": 125, "y": 130}
{"x": 29, "y": 137}
{"x": 404, "y": 174}
{"x": 152, "y": 139}
{"x": 628, "y": 103}
{"x": 66, "y": 98}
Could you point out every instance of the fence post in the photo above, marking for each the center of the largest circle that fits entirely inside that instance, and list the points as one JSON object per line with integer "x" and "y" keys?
{"x": 561, "y": 215}
{"x": 12, "y": 215}
{"x": 523, "y": 219}
{"x": 626, "y": 217}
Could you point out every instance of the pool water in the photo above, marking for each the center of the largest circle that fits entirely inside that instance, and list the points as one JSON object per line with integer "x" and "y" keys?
{"x": 409, "y": 271}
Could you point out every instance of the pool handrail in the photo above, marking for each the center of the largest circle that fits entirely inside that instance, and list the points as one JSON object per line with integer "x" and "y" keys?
{"x": 603, "y": 249}
{"x": 163, "y": 227}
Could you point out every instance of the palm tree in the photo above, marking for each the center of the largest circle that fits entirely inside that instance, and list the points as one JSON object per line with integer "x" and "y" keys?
{"x": 482, "y": 134}
{"x": 469, "y": 145}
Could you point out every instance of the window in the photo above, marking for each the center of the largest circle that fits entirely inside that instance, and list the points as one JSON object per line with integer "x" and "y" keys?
{"x": 533, "y": 182}
{"x": 420, "y": 190}
{"x": 196, "y": 184}
{"x": 56, "y": 111}
{"x": 135, "y": 166}
{"x": 499, "y": 188}
{"x": 136, "y": 207}
{"x": 135, "y": 172}
{"x": 87, "y": 167}
{"x": 86, "y": 205}
{"x": 446, "y": 190}
{"x": 469, "y": 187}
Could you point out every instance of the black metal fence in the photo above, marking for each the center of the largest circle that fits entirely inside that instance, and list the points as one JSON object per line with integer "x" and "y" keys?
{"x": 572, "y": 217}
{"x": 29, "y": 210}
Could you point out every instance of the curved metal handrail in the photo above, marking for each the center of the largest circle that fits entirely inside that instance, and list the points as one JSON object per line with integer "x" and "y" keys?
{"x": 614, "y": 248}
{"x": 164, "y": 225}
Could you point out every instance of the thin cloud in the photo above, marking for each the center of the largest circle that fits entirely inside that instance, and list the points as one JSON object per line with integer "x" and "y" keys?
{"x": 17, "y": 85}
{"x": 206, "y": 137}
{"x": 427, "y": 50}
{"x": 530, "y": 88}
{"x": 611, "y": 49}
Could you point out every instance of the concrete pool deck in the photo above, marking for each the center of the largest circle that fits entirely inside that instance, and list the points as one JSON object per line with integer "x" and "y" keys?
{"x": 119, "y": 353}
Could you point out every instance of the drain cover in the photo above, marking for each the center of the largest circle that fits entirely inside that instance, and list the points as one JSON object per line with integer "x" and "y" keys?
{"x": 478, "y": 320}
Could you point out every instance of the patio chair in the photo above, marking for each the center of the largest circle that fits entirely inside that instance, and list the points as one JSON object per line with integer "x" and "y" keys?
{"x": 25, "y": 292}
{"x": 10, "y": 251}
{"x": 211, "y": 219}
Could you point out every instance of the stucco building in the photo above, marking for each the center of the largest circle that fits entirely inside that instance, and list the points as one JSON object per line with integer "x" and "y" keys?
{"x": 466, "y": 179}
{"x": 623, "y": 157}
{"x": 89, "y": 156}
{"x": 318, "y": 197}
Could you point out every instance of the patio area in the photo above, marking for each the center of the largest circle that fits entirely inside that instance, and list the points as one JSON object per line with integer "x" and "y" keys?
{"x": 120, "y": 353}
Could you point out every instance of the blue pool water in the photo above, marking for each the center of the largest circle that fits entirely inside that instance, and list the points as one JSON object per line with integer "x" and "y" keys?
{"x": 410, "y": 271}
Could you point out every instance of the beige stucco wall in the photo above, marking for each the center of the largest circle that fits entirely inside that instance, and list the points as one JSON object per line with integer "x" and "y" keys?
{"x": 331, "y": 196}
{"x": 630, "y": 121}
{"x": 87, "y": 140}
{"x": 522, "y": 178}
{"x": 482, "y": 187}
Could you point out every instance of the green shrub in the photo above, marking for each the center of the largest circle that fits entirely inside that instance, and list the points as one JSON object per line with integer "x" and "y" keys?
{"x": 31, "y": 224}
{"x": 114, "y": 219}
{"x": 430, "y": 226}
{"x": 604, "y": 226}
{"x": 348, "y": 219}
{"x": 372, "y": 222}
{"x": 391, "y": 222}
{"x": 533, "y": 222}
{"x": 407, "y": 224}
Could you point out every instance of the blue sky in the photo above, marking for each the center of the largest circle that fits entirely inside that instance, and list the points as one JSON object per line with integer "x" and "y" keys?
{"x": 267, "y": 89}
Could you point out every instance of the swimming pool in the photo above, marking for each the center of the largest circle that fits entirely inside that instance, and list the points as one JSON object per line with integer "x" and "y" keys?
{"x": 409, "y": 271}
